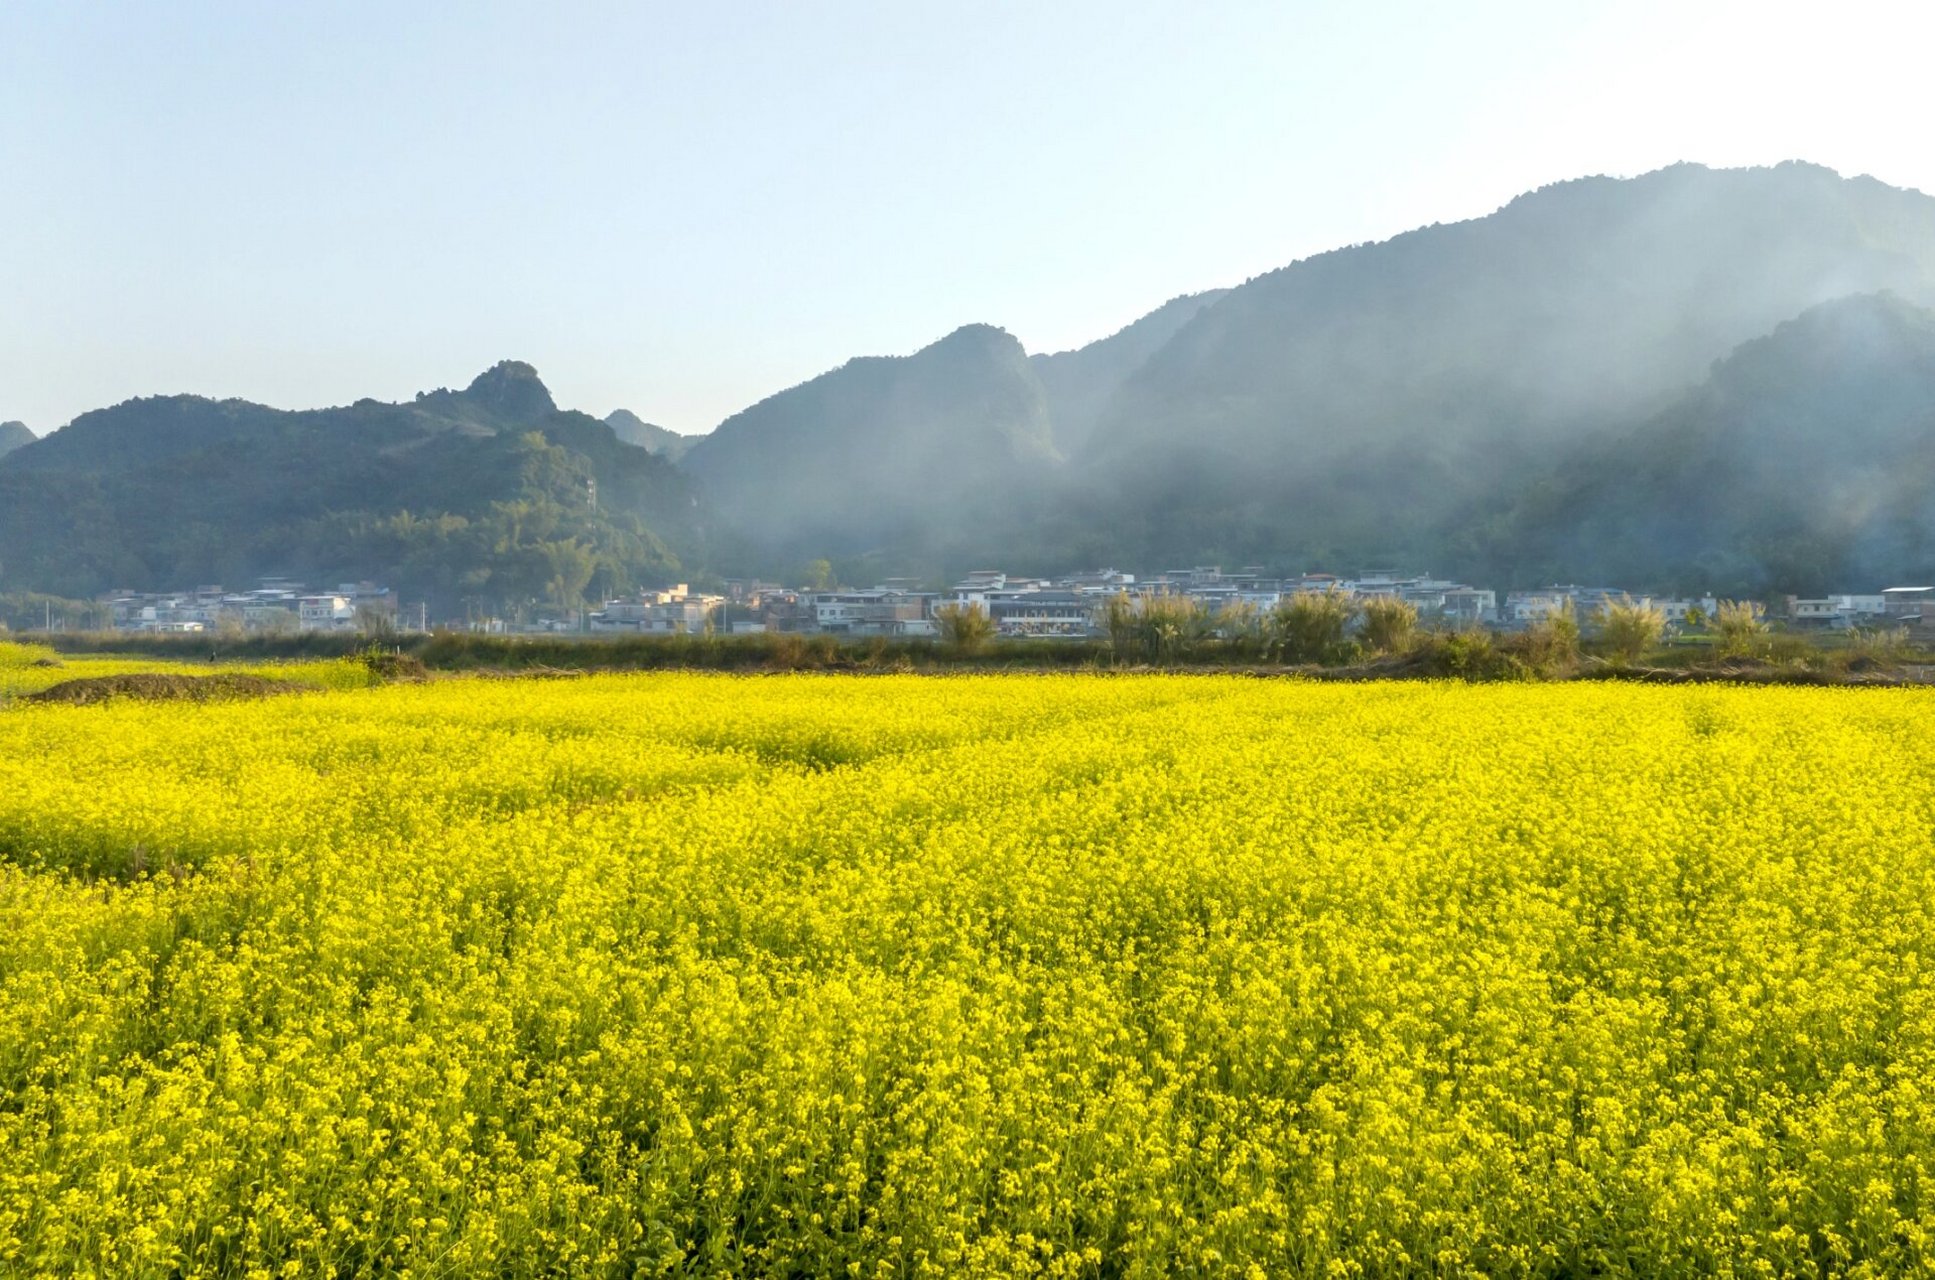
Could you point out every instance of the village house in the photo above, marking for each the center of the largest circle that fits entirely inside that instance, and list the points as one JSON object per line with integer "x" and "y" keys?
{"x": 1908, "y": 604}
{"x": 330, "y": 612}
{"x": 1523, "y": 608}
{"x": 1468, "y": 605}
{"x": 1044, "y": 613}
{"x": 875, "y": 611}
{"x": 1835, "y": 612}
{"x": 674, "y": 611}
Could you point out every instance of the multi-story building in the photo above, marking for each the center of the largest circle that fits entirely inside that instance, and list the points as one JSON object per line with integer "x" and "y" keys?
{"x": 1909, "y": 604}
{"x": 1468, "y": 605}
{"x": 1677, "y": 612}
{"x": 1523, "y": 608}
{"x": 331, "y": 612}
{"x": 873, "y": 611}
{"x": 674, "y": 611}
{"x": 1045, "y": 612}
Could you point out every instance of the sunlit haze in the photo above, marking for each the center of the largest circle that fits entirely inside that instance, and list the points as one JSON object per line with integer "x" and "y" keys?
{"x": 680, "y": 209}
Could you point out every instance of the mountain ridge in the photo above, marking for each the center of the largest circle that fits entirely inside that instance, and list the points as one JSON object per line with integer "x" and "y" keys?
{"x": 490, "y": 493}
{"x": 1080, "y": 382}
{"x": 1428, "y": 399}
{"x": 649, "y": 436}
{"x": 855, "y": 458}
{"x": 1805, "y": 461}
{"x": 13, "y": 435}
{"x": 1345, "y": 406}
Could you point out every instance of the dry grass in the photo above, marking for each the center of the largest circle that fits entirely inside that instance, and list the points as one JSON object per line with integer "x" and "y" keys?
{"x": 158, "y": 687}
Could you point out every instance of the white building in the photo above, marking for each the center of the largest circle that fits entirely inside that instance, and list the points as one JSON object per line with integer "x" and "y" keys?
{"x": 975, "y": 588}
{"x": 325, "y": 613}
{"x": 675, "y": 611}
{"x": 873, "y": 611}
{"x": 1044, "y": 613}
{"x": 1525, "y": 607}
{"x": 1836, "y": 611}
{"x": 1468, "y": 604}
{"x": 1677, "y": 611}
{"x": 1907, "y": 604}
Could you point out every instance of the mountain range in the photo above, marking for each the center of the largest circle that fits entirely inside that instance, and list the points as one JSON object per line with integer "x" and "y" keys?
{"x": 651, "y": 437}
{"x": 1359, "y": 402}
{"x": 1703, "y": 377}
{"x": 1806, "y": 457}
{"x": 489, "y": 496}
{"x": 915, "y": 453}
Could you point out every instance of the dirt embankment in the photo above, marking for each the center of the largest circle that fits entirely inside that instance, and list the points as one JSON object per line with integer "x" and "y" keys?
{"x": 159, "y": 687}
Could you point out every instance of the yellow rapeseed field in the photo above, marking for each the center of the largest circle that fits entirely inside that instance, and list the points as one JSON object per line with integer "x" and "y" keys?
{"x": 992, "y": 975}
{"x": 27, "y": 669}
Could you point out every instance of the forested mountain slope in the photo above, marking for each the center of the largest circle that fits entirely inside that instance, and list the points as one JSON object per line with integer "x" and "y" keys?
{"x": 488, "y": 494}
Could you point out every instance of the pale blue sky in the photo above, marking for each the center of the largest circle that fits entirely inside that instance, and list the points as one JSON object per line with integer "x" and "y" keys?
{"x": 680, "y": 209}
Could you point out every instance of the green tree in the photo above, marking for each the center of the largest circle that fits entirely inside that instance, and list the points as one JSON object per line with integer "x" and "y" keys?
{"x": 569, "y": 567}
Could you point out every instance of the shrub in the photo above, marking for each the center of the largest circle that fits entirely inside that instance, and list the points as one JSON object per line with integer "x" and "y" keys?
{"x": 1157, "y": 629}
{"x": 1872, "y": 647}
{"x": 1239, "y": 626}
{"x": 1628, "y": 629}
{"x": 1390, "y": 624}
{"x": 1310, "y": 626}
{"x": 1470, "y": 653}
{"x": 392, "y": 664}
{"x": 1551, "y": 644}
{"x": 1174, "y": 627}
{"x": 1119, "y": 626}
{"x": 1791, "y": 648}
{"x": 966, "y": 627}
{"x": 1739, "y": 629}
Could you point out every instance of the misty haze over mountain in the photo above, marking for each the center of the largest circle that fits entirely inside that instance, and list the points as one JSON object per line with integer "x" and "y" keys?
{"x": 652, "y": 438}
{"x": 1703, "y": 378}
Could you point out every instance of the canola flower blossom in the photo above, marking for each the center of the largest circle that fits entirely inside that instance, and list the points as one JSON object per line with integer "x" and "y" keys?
{"x": 991, "y": 975}
{"x": 31, "y": 668}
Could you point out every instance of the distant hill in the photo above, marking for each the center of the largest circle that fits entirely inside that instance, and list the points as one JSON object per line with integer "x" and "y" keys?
{"x": 1079, "y": 384}
{"x": 1805, "y": 462}
{"x": 489, "y": 495}
{"x": 650, "y": 437}
{"x": 508, "y": 394}
{"x": 13, "y": 435}
{"x": 1385, "y": 402}
{"x": 1715, "y": 378}
{"x": 906, "y": 452}
{"x": 1344, "y": 407}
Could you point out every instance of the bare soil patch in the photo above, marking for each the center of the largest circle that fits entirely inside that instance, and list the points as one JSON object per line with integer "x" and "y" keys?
{"x": 160, "y": 687}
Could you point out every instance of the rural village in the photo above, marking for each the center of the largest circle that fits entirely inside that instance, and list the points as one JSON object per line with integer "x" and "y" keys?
{"x": 1071, "y": 606}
